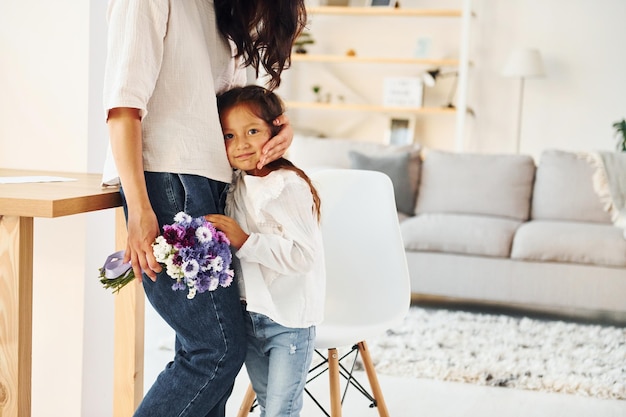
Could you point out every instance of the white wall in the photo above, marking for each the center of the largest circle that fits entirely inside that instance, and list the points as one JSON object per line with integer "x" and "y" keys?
{"x": 49, "y": 94}
{"x": 572, "y": 108}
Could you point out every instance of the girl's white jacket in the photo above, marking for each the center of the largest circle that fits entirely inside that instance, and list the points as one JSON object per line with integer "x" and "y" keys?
{"x": 282, "y": 262}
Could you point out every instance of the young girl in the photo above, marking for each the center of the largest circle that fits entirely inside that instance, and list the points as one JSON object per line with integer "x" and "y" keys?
{"x": 273, "y": 225}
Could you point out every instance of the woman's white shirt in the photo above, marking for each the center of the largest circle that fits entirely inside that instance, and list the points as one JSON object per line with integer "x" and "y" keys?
{"x": 169, "y": 60}
{"x": 282, "y": 261}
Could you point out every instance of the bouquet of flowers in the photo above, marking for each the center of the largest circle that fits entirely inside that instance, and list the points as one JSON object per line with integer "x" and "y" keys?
{"x": 193, "y": 251}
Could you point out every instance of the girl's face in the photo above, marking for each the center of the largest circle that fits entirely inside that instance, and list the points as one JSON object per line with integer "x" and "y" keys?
{"x": 244, "y": 136}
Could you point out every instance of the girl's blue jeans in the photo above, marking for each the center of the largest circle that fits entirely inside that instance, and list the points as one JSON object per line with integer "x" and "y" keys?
{"x": 210, "y": 329}
{"x": 277, "y": 362}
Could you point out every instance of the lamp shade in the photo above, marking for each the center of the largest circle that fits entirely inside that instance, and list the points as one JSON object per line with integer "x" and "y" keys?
{"x": 524, "y": 63}
{"x": 430, "y": 77}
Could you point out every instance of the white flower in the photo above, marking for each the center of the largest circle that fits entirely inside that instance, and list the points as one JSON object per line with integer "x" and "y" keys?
{"x": 214, "y": 283}
{"x": 217, "y": 264}
{"x": 190, "y": 268}
{"x": 182, "y": 217}
{"x": 174, "y": 271}
{"x": 192, "y": 293}
{"x": 161, "y": 249}
{"x": 204, "y": 234}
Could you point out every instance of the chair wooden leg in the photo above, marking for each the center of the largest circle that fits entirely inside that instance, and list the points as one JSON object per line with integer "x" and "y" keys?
{"x": 335, "y": 389}
{"x": 373, "y": 379}
{"x": 246, "y": 403}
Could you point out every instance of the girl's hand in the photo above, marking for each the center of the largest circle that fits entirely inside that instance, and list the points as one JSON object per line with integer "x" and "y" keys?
{"x": 230, "y": 227}
{"x": 277, "y": 146}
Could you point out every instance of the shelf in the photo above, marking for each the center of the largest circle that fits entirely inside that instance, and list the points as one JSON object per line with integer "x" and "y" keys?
{"x": 338, "y": 18}
{"x": 384, "y": 11}
{"x": 368, "y": 108}
{"x": 373, "y": 60}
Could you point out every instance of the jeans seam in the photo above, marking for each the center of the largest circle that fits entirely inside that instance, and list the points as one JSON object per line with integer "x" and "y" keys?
{"x": 169, "y": 189}
{"x": 217, "y": 366}
{"x": 303, "y": 371}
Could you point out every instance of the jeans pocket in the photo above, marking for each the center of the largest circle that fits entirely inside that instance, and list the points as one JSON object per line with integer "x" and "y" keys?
{"x": 167, "y": 195}
{"x": 171, "y": 193}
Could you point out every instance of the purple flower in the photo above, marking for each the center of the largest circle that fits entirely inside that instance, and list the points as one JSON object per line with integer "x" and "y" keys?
{"x": 174, "y": 234}
{"x": 201, "y": 251}
{"x": 203, "y": 282}
{"x": 191, "y": 268}
{"x": 197, "y": 253}
{"x": 178, "y": 285}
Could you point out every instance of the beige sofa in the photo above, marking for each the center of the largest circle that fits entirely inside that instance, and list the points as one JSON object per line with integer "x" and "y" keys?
{"x": 495, "y": 228}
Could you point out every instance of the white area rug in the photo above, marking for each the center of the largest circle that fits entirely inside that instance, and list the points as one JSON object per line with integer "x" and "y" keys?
{"x": 505, "y": 351}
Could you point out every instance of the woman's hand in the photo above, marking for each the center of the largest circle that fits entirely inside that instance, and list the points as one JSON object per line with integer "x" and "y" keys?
{"x": 278, "y": 145}
{"x": 125, "y": 134}
{"x": 143, "y": 229}
{"x": 230, "y": 227}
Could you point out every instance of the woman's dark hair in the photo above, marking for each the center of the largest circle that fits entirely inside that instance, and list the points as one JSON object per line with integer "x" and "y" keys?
{"x": 263, "y": 31}
{"x": 267, "y": 106}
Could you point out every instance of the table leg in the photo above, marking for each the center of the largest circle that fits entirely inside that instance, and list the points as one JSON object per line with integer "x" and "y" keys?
{"x": 129, "y": 338}
{"x": 16, "y": 315}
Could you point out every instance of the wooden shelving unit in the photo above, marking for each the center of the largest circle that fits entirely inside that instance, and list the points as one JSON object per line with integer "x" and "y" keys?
{"x": 346, "y": 59}
{"x": 368, "y": 108}
{"x": 383, "y": 11}
{"x": 460, "y": 64}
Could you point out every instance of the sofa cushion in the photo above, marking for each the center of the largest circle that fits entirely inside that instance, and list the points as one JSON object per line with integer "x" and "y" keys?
{"x": 311, "y": 153}
{"x": 458, "y": 233}
{"x": 577, "y": 242}
{"x": 396, "y": 167}
{"x": 564, "y": 189}
{"x": 481, "y": 184}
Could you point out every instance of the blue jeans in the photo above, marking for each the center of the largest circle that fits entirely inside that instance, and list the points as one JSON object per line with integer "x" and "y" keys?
{"x": 210, "y": 328}
{"x": 277, "y": 362}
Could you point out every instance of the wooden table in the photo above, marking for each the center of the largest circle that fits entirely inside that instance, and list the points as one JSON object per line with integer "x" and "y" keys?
{"x": 19, "y": 205}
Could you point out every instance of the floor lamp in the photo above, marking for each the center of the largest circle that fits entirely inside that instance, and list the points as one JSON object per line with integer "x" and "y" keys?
{"x": 522, "y": 64}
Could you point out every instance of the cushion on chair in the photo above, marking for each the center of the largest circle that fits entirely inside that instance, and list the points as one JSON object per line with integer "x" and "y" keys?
{"x": 457, "y": 233}
{"x": 564, "y": 189}
{"x": 576, "y": 242}
{"x": 480, "y": 184}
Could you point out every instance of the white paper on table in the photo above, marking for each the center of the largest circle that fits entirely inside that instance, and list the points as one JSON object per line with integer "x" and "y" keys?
{"x": 34, "y": 178}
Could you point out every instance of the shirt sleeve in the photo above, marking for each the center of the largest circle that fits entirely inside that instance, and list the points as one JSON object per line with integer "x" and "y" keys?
{"x": 134, "y": 52}
{"x": 287, "y": 241}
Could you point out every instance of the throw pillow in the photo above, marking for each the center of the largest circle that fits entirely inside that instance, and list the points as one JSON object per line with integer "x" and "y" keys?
{"x": 473, "y": 183}
{"x": 396, "y": 166}
{"x": 564, "y": 188}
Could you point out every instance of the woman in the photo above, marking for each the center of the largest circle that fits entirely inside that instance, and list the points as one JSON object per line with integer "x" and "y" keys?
{"x": 166, "y": 62}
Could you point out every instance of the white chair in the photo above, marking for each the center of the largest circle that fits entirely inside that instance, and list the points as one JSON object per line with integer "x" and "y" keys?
{"x": 367, "y": 280}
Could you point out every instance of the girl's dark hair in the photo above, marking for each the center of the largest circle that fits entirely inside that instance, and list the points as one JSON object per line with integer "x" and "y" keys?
{"x": 263, "y": 31}
{"x": 267, "y": 106}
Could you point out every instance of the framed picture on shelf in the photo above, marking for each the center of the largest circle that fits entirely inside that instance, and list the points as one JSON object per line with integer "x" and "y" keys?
{"x": 380, "y": 3}
{"x": 400, "y": 130}
{"x": 403, "y": 92}
{"x": 343, "y": 3}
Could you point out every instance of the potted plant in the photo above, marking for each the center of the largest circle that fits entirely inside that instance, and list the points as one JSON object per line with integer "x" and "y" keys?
{"x": 620, "y": 134}
{"x": 303, "y": 39}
